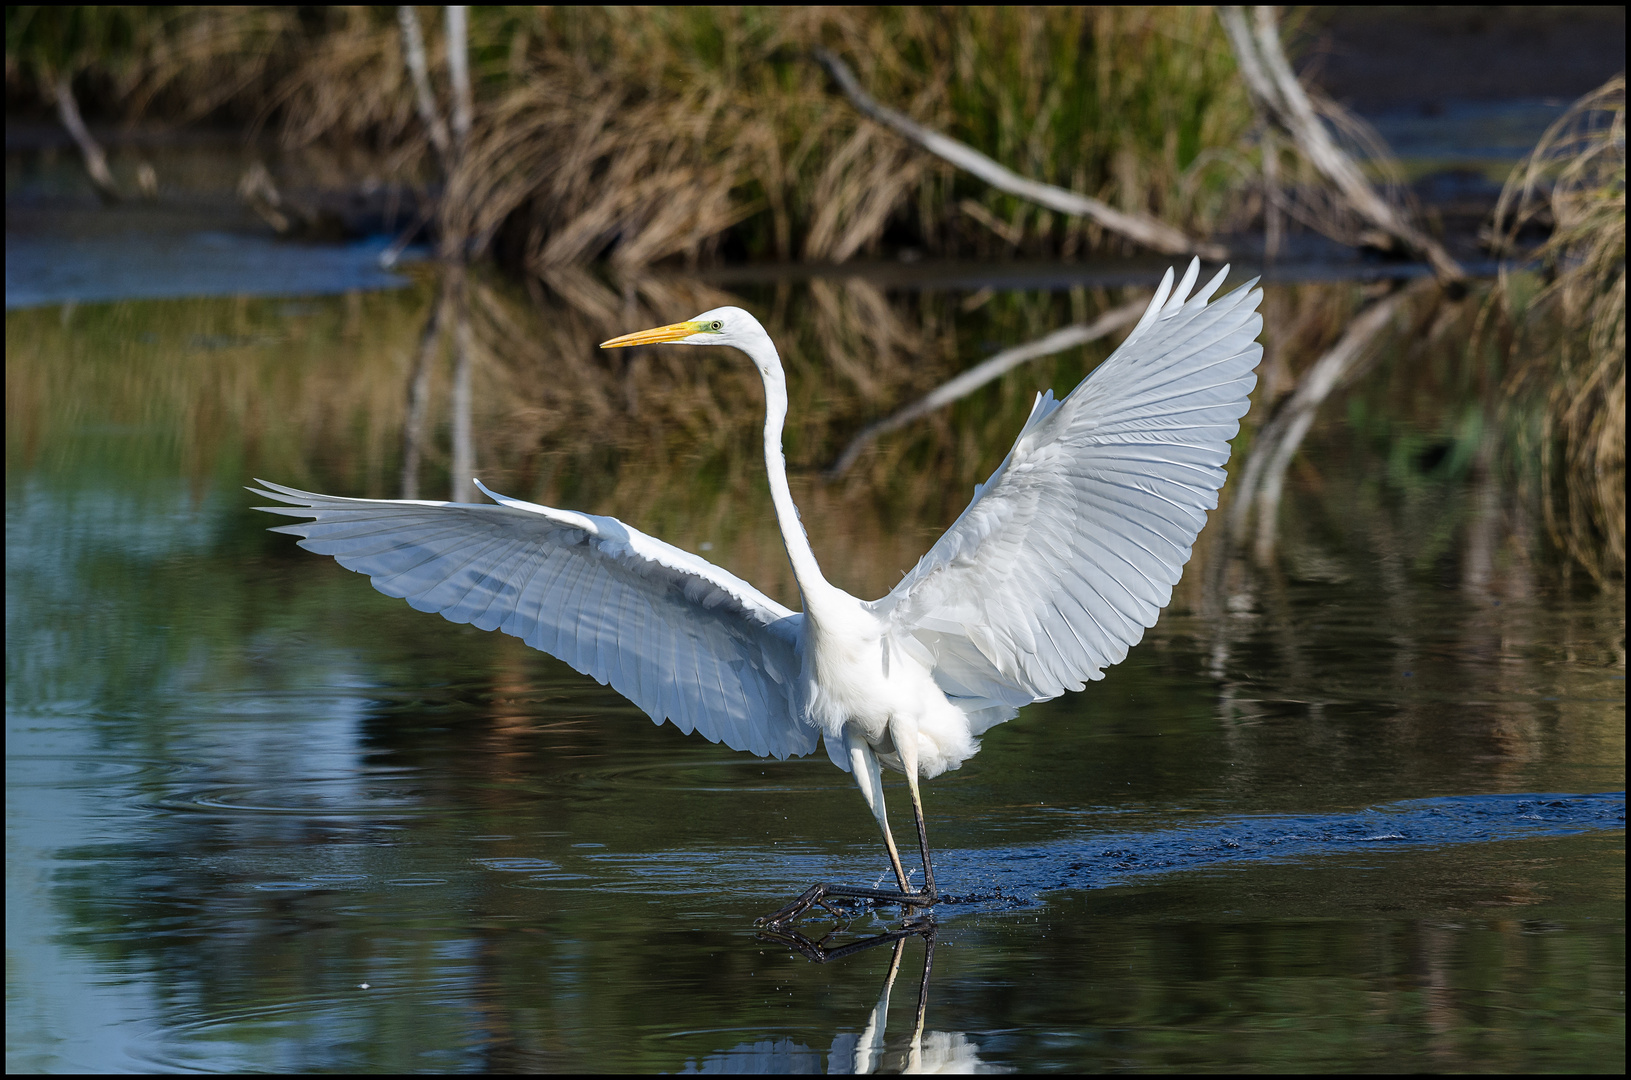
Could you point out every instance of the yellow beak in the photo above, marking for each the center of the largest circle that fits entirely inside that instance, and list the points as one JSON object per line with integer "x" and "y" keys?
{"x": 672, "y": 332}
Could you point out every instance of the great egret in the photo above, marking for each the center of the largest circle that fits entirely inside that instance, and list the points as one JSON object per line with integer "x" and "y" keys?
{"x": 1066, "y": 555}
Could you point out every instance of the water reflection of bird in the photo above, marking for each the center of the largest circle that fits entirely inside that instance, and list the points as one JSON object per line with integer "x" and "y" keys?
{"x": 1066, "y": 555}
{"x": 867, "y": 1051}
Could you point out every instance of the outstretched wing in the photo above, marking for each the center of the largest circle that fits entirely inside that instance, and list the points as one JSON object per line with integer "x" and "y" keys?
{"x": 676, "y": 635}
{"x": 1069, "y": 552}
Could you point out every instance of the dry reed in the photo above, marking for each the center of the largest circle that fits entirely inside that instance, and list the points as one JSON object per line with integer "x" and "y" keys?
{"x": 1568, "y": 338}
{"x": 641, "y": 135}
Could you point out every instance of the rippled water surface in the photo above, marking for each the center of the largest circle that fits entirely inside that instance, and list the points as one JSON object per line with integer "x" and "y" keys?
{"x": 1358, "y": 807}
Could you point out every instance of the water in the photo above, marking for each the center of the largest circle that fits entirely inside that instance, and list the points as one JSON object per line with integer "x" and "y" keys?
{"x": 195, "y": 239}
{"x": 1361, "y": 808}
{"x": 1479, "y": 136}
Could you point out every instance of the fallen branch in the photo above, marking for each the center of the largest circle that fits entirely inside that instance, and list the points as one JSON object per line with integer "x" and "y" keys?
{"x": 1140, "y": 228}
{"x": 977, "y": 376}
{"x": 1282, "y": 99}
{"x": 96, "y": 162}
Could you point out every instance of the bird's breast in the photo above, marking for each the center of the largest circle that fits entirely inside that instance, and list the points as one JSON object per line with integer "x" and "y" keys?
{"x": 862, "y": 680}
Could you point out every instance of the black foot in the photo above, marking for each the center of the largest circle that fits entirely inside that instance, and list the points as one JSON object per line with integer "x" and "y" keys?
{"x": 817, "y": 895}
{"x": 821, "y": 952}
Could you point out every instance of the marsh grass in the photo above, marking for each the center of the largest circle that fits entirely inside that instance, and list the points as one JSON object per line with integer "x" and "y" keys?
{"x": 639, "y": 135}
{"x": 1566, "y": 331}
{"x": 179, "y": 63}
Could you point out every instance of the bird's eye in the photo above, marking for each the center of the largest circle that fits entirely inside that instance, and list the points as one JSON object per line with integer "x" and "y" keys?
{"x": 717, "y": 326}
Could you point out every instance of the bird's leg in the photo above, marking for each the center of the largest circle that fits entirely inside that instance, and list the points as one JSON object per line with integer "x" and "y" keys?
{"x": 894, "y": 854}
{"x": 922, "y": 835}
{"x": 906, "y": 747}
{"x": 869, "y": 778}
{"x": 864, "y": 765}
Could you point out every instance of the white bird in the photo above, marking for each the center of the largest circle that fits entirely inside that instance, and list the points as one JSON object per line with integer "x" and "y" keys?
{"x": 1063, "y": 559}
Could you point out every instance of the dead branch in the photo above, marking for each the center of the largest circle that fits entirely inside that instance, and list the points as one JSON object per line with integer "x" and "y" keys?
{"x": 96, "y": 162}
{"x": 1283, "y": 101}
{"x": 977, "y": 376}
{"x": 458, "y": 68}
{"x": 1140, "y": 228}
{"x": 413, "y": 50}
{"x": 256, "y": 189}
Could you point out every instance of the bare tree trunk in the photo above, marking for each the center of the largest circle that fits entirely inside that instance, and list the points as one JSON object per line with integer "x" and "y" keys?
{"x": 96, "y": 162}
{"x": 458, "y": 67}
{"x": 413, "y": 50}
{"x": 975, "y": 377}
{"x": 1140, "y": 228}
{"x": 413, "y": 53}
{"x": 454, "y": 243}
{"x": 454, "y": 303}
{"x": 1271, "y": 82}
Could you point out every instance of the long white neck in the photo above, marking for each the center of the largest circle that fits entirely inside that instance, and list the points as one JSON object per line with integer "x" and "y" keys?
{"x": 813, "y": 585}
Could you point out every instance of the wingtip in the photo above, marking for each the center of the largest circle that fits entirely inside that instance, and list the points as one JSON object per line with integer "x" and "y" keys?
{"x": 1181, "y": 293}
{"x": 1153, "y": 312}
{"x": 1210, "y": 289}
{"x": 270, "y": 490}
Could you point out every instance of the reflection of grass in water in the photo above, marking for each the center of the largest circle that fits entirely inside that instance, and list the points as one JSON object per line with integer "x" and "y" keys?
{"x": 202, "y": 382}
{"x": 669, "y": 438}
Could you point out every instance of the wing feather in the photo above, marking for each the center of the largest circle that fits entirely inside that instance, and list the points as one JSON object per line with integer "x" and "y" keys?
{"x": 1068, "y": 553}
{"x": 683, "y": 639}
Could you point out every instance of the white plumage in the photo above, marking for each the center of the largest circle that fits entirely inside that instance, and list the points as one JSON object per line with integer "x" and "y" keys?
{"x": 1063, "y": 559}
{"x": 681, "y": 638}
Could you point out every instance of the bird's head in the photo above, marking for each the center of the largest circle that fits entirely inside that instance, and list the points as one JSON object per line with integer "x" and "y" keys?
{"x": 721, "y": 326}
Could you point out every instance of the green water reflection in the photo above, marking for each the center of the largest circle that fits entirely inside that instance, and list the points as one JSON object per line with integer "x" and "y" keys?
{"x": 260, "y": 816}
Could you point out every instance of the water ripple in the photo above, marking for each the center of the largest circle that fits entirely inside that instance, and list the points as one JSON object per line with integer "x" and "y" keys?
{"x": 987, "y": 878}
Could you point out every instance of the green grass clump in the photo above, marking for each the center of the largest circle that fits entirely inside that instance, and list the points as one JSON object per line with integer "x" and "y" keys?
{"x": 645, "y": 134}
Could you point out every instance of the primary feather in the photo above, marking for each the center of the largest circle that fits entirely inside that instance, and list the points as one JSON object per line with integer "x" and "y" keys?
{"x": 681, "y": 638}
{"x": 1070, "y": 550}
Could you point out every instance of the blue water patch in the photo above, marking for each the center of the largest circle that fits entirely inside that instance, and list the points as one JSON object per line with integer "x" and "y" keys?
{"x": 1091, "y": 858}
{"x": 1468, "y": 131}
{"x": 1117, "y": 858}
{"x": 44, "y": 269}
